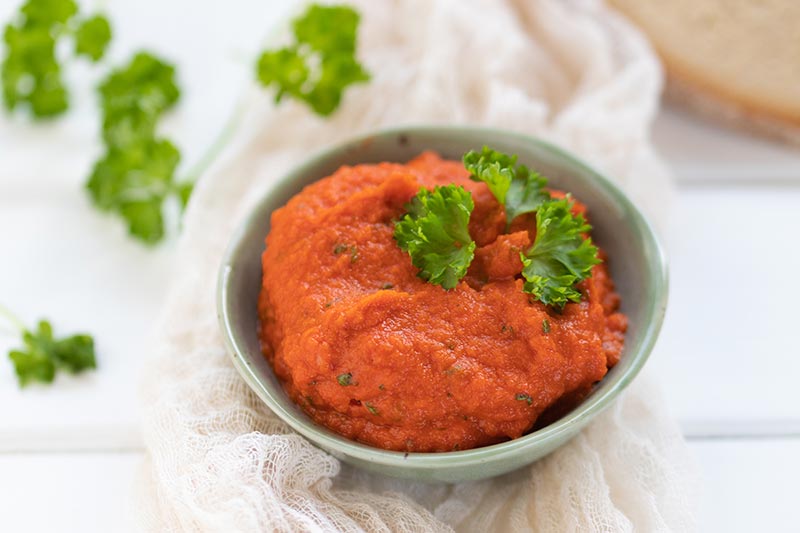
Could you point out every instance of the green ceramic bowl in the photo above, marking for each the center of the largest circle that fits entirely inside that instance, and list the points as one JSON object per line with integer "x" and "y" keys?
{"x": 636, "y": 261}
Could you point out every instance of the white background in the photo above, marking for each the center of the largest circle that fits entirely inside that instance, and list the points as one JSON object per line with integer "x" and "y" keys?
{"x": 728, "y": 361}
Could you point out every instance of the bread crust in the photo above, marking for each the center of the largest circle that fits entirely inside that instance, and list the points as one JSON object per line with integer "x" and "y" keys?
{"x": 730, "y": 109}
{"x": 746, "y": 103}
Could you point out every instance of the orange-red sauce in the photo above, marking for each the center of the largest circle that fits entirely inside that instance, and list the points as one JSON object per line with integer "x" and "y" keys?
{"x": 380, "y": 356}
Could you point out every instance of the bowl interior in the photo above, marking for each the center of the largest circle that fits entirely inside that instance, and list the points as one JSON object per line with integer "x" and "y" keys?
{"x": 636, "y": 264}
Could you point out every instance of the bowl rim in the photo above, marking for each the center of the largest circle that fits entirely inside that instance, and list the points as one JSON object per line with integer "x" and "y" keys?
{"x": 561, "y": 428}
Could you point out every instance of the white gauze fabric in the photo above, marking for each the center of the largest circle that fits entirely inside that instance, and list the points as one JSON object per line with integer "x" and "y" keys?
{"x": 219, "y": 460}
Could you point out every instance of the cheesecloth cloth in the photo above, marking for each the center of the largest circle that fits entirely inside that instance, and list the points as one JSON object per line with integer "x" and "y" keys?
{"x": 218, "y": 460}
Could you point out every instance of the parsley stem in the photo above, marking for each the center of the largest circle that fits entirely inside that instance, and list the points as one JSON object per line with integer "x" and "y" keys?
{"x": 233, "y": 122}
{"x": 219, "y": 144}
{"x": 235, "y": 118}
{"x": 6, "y": 313}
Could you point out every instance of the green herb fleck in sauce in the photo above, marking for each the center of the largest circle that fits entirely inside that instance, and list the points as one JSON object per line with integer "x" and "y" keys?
{"x": 521, "y": 396}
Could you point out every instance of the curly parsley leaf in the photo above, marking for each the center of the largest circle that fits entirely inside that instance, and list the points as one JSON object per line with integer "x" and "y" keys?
{"x": 320, "y": 64}
{"x": 434, "y": 232}
{"x": 31, "y": 72}
{"x": 92, "y": 37}
{"x": 516, "y": 187}
{"x": 41, "y": 12}
{"x": 135, "y": 176}
{"x": 286, "y": 69}
{"x": 133, "y": 98}
{"x": 43, "y": 355}
{"x": 560, "y": 256}
{"x": 134, "y": 181}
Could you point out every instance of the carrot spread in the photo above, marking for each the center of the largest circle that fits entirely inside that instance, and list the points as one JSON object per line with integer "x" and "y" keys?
{"x": 378, "y": 355}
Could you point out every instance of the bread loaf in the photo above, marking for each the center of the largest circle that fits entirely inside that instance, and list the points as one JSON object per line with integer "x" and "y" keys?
{"x": 738, "y": 60}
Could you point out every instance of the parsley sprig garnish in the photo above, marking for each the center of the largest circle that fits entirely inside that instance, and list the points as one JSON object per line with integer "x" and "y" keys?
{"x": 560, "y": 256}
{"x": 517, "y": 188}
{"x": 434, "y": 233}
{"x": 321, "y": 63}
{"x": 43, "y": 354}
{"x": 31, "y": 69}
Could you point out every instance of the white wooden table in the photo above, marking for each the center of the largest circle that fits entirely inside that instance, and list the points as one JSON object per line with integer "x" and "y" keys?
{"x": 69, "y": 452}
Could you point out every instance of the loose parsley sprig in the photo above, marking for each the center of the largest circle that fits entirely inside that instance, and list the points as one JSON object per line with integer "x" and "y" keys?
{"x": 321, "y": 63}
{"x": 31, "y": 69}
{"x": 135, "y": 176}
{"x": 560, "y": 256}
{"x": 43, "y": 354}
{"x": 517, "y": 188}
{"x": 434, "y": 233}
